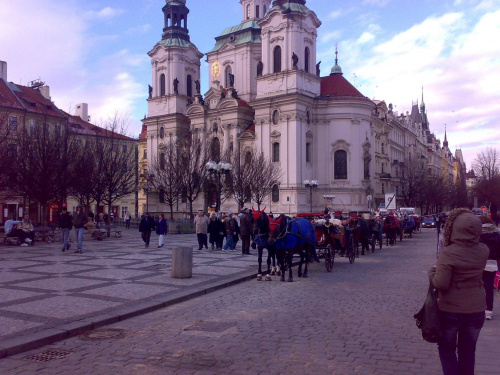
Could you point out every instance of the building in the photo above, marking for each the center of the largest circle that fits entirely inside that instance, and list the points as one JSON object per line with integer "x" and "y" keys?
{"x": 265, "y": 93}
{"x": 30, "y": 107}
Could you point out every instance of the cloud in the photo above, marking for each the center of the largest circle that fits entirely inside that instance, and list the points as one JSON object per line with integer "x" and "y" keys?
{"x": 105, "y": 13}
{"x": 378, "y": 3}
{"x": 326, "y": 38}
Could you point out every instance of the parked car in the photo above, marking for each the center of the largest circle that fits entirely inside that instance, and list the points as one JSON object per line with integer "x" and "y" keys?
{"x": 428, "y": 222}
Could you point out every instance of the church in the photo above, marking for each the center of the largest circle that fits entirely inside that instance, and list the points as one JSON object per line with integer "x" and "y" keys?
{"x": 266, "y": 93}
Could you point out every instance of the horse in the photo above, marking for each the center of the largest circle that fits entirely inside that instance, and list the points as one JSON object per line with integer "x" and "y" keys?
{"x": 360, "y": 233}
{"x": 391, "y": 228}
{"x": 260, "y": 224}
{"x": 290, "y": 237}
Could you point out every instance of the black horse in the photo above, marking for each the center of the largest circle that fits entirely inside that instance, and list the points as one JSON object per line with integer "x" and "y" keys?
{"x": 260, "y": 223}
{"x": 290, "y": 237}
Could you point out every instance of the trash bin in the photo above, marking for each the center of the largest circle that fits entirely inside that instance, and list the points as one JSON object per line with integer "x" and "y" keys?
{"x": 182, "y": 262}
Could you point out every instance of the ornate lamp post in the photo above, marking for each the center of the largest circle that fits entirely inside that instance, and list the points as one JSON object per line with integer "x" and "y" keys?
{"x": 311, "y": 184}
{"x": 217, "y": 170}
{"x": 147, "y": 186}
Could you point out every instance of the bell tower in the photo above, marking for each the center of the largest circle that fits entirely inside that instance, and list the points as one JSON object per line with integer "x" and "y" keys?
{"x": 254, "y": 9}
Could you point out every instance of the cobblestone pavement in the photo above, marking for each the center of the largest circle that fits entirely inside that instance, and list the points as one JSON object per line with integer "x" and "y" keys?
{"x": 358, "y": 319}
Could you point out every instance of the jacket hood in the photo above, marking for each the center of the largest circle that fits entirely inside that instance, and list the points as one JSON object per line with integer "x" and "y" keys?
{"x": 462, "y": 228}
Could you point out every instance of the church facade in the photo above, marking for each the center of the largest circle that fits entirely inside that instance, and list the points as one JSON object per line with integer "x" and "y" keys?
{"x": 265, "y": 93}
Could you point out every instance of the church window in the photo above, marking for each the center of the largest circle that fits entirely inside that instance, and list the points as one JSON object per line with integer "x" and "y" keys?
{"x": 275, "y": 193}
{"x": 162, "y": 85}
{"x": 228, "y": 71}
{"x": 183, "y": 22}
{"x": 383, "y": 189}
{"x": 340, "y": 165}
{"x": 306, "y": 60}
{"x": 308, "y": 117}
{"x": 264, "y": 11}
{"x": 215, "y": 150}
{"x": 248, "y": 11}
{"x": 277, "y": 59}
{"x": 248, "y": 158}
{"x": 162, "y": 161}
{"x": 276, "y": 117}
{"x": 382, "y": 148}
{"x": 162, "y": 132}
{"x": 276, "y": 152}
{"x": 189, "y": 85}
{"x": 257, "y": 11}
{"x": 308, "y": 152}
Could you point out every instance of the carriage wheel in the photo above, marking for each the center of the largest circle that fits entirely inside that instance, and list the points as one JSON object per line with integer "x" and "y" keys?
{"x": 329, "y": 258}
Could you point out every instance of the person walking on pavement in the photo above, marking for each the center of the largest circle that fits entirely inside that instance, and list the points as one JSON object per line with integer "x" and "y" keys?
{"x": 146, "y": 225}
{"x": 213, "y": 230}
{"x": 490, "y": 236}
{"x": 66, "y": 224}
{"x": 245, "y": 231}
{"x": 229, "y": 225}
{"x": 201, "y": 223}
{"x": 458, "y": 278}
{"x": 128, "y": 218}
{"x": 161, "y": 229}
{"x": 80, "y": 218}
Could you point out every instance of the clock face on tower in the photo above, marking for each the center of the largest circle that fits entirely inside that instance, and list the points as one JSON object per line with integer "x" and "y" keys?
{"x": 216, "y": 69}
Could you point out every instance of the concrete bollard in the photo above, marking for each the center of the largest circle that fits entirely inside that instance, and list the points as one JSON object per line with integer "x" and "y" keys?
{"x": 182, "y": 262}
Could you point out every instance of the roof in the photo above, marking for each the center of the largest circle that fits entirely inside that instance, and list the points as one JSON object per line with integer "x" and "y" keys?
{"x": 246, "y": 32}
{"x": 144, "y": 132}
{"x": 337, "y": 87}
{"x": 26, "y": 99}
{"x": 80, "y": 126}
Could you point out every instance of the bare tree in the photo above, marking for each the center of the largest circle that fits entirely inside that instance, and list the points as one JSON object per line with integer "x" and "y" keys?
{"x": 238, "y": 183}
{"x": 167, "y": 169}
{"x": 486, "y": 167}
{"x": 6, "y": 153}
{"x": 194, "y": 174}
{"x": 412, "y": 177}
{"x": 264, "y": 174}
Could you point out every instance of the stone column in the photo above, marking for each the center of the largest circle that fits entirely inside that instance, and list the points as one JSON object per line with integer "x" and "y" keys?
{"x": 182, "y": 262}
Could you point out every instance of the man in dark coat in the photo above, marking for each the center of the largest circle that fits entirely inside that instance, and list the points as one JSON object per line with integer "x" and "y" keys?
{"x": 146, "y": 225}
{"x": 66, "y": 224}
{"x": 245, "y": 231}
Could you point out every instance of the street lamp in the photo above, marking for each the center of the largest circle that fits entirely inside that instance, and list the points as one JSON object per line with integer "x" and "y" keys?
{"x": 217, "y": 170}
{"x": 149, "y": 179}
{"x": 311, "y": 184}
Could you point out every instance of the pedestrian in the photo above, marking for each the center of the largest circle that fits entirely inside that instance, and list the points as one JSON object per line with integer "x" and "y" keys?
{"x": 490, "y": 236}
{"x": 66, "y": 224}
{"x": 101, "y": 219}
{"x": 161, "y": 229}
{"x": 221, "y": 230}
{"x": 80, "y": 218}
{"x": 458, "y": 278}
{"x": 229, "y": 225}
{"x": 236, "y": 226}
{"x": 91, "y": 215}
{"x": 25, "y": 231}
{"x": 146, "y": 225}
{"x": 128, "y": 218}
{"x": 107, "y": 221}
{"x": 213, "y": 230}
{"x": 201, "y": 223}
{"x": 245, "y": 230}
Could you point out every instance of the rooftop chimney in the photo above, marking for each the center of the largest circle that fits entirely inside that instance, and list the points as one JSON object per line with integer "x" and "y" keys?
{"x": 82, "y": 110}
{"x": 45, "y": 91}
{"x": 3, "y": 70}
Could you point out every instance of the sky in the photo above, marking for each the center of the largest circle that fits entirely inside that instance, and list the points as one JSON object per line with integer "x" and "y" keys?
{"x": 95, "y": 52}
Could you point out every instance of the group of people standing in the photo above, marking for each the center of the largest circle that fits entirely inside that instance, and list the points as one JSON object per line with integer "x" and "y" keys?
{"x": 231, "y": 226}
{"x": 149, "y": 224}
{"x": 463, "y": 277}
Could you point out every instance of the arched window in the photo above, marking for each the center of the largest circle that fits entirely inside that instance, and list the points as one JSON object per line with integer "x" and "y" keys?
{"x": 227, "y": 80}
{"x": 264, "y": 11}
{"x": 215, "y": 150}
{"x": 162, "y": 132}
{"x": 162, "y": 161}
{"x": 257, "y": 15}
{"x": 308, "y": 152}
{"x": 275, "y": 194}
{"x": 276, "y": 152}
{"x": 277, "y": 59}
{"x": 189, "y": 85}
{"x": 162, "y": 84}
{"x": 248, "y": 158}
{"x": 340, "y": 165}
{"x": 248, "y": 11}
{"x": 306, "y": 60}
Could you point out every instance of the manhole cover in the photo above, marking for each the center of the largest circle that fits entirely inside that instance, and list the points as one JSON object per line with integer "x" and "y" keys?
{"x": 216, "y": 327}
{"x": 103, "y": 334}
{"x": 48, "y": 355}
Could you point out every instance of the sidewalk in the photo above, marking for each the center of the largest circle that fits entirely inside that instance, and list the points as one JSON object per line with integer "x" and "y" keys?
{"x": 47, "y": 295}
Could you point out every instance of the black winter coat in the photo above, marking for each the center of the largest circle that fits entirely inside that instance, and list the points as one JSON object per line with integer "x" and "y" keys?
{"x": 147, "y": 224}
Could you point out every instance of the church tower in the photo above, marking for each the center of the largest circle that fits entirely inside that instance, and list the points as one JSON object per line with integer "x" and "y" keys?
{"x": 175, "y": 64}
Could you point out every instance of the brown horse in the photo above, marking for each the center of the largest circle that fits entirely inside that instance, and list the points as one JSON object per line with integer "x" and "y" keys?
{"x": 260, "y": 224}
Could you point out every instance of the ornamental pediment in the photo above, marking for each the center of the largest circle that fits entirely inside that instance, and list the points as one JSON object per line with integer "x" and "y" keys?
{"x": 275, "y": 134}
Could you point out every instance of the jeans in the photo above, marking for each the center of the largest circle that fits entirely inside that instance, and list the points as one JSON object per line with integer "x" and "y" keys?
{"x": 127, "y": 224}
{"x": 457, "y": 346}
{"x": 65, "y": 237}
{"x": 202, "y": 240}
{"x": 79, "y": 238}
{"x": 488, "y": 279}
{"x": 229, "y": 243}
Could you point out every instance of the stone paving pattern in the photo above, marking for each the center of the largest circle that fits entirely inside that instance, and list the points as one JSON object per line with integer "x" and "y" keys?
{"x": 358, "y": 319}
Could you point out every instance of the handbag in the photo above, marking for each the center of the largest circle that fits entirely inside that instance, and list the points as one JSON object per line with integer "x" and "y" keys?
{"x": 428, "y": 318}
